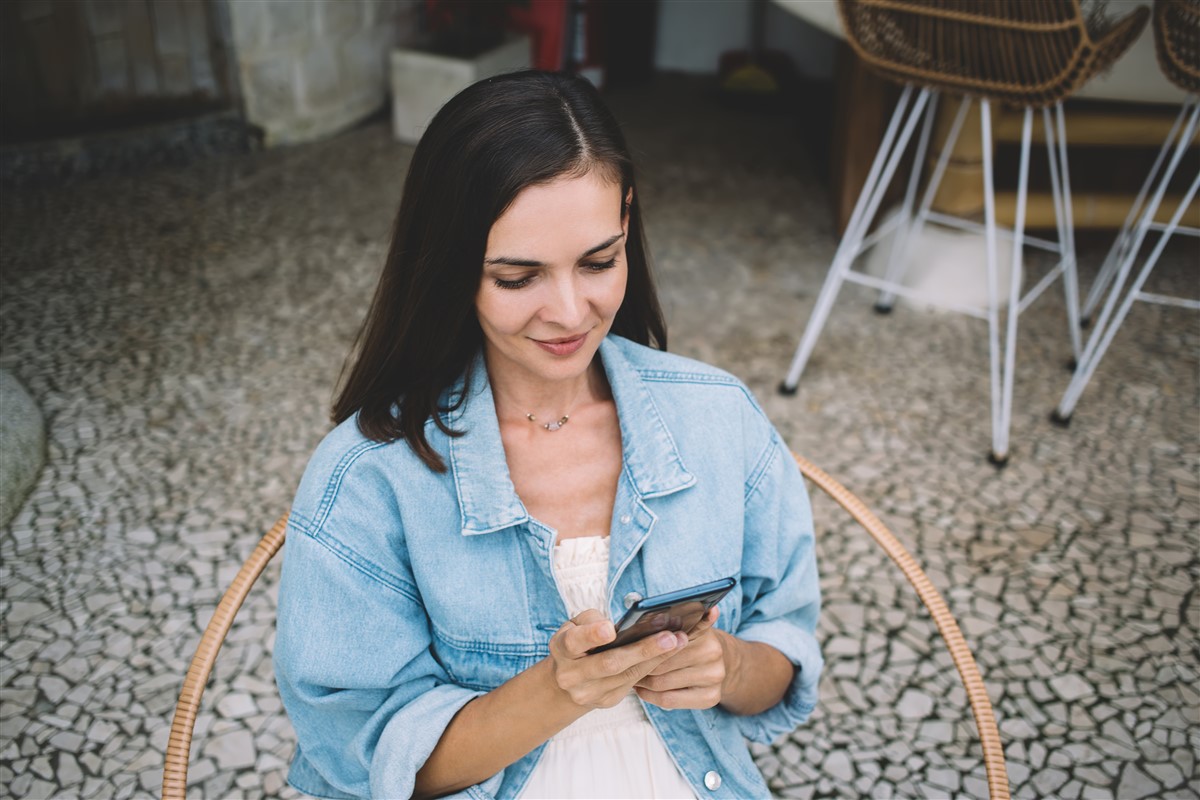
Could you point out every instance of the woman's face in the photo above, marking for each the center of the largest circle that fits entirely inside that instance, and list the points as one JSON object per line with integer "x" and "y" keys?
{"x": 554, "y": 276}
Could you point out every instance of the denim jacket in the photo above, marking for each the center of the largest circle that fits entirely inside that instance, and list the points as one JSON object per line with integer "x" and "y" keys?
{"x": 407, "y": 593}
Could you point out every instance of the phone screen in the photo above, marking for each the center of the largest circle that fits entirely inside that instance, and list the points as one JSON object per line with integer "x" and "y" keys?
{"x": 674, "y": 611}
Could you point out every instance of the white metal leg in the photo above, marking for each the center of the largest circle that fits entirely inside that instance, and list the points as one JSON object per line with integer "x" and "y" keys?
{"x": 1000, "y": 434}
{"x": 1139, "y": 233}
{"x": 908, "y": 228}
{"x": 1103, "y": 336}
{"x": 993, "y": 314}
{"x": 1121, "y": 244}
{"x": 1104, "y": 331}
{"x": 923, "y": 215}
{"x": 1070, "y": 273}
{"x": 886, "y": 161}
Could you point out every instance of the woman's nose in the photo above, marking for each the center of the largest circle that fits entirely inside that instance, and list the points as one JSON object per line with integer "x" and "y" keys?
{"x": 566, "y": 305}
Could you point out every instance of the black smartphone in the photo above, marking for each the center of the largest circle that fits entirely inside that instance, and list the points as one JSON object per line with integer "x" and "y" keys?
{"x": 681, "y": 610}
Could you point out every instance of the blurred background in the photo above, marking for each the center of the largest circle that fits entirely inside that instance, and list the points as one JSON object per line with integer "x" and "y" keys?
{"x": 195, "y": 201}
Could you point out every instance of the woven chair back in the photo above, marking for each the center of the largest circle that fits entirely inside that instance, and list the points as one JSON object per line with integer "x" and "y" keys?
{"x": 1177, "y": 42}
{"x": 1023, "y": 52}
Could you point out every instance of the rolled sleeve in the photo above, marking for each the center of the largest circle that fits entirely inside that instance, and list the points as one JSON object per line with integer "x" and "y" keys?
{"x": 781, "y": 588}
{"x": 801, "y": 648}
{"x": 364, "y": 725}
{"x": 403, "y": 747}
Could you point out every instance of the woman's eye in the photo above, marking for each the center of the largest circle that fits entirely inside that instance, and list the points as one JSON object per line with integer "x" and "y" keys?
{"x": 517, "y": 284}
{"x": 600, "y": 267}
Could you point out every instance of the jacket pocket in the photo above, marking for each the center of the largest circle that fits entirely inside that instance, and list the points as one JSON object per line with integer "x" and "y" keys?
{"x": 482, "y": 665}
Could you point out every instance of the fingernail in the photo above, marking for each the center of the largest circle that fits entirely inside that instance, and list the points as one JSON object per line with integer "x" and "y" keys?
{"x": 666, "y": 641}
{"x": 682, "y": 638}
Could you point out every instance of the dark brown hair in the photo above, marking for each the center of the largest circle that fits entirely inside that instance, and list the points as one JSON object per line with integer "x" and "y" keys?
{"x": 492, "y": 140}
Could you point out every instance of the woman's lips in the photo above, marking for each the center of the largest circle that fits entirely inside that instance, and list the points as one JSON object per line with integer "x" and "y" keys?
{"x": 562, "y": 347}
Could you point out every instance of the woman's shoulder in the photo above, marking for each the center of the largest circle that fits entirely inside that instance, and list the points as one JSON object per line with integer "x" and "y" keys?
{"x": 653, "y": 363}
{"x": 674, "y": 372}
{"x": 347, "y": 462}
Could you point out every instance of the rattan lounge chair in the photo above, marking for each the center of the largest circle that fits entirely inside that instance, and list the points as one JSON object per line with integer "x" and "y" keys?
{"x": 180, "y": 741}
{"x": 1028, "y": 53}
{"x": 1177, "y": 43}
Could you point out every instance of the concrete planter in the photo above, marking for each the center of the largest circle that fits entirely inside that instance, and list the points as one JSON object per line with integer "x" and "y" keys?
{"x": 422, "y": 82}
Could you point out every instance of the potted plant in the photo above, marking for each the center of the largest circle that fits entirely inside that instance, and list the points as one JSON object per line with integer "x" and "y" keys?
{"x": 465, "y": 41}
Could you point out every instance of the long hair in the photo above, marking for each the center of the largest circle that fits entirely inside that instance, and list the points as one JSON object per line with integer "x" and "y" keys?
{"x": 486, "y": 145}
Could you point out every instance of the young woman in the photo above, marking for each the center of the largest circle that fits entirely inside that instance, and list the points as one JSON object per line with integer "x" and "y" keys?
{"x": 517, "y": 462}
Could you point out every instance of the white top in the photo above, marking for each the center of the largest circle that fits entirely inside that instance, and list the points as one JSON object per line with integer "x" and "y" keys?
{"x": 609, "y": 752}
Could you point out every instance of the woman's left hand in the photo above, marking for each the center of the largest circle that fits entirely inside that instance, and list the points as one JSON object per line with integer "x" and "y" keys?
{"x": 696, "y": 676}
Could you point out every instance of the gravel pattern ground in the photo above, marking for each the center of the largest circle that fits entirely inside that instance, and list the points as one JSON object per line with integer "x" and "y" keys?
{"x": 182, "y": 329}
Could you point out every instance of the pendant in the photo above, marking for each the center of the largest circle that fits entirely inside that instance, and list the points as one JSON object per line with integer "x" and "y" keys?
{"x": 550, "y": 426}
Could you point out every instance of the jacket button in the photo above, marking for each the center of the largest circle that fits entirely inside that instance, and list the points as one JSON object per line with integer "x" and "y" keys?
{"x": 626, "y": 519}
{"x": 630, "y": 599}
{"x": 712, "y": 780}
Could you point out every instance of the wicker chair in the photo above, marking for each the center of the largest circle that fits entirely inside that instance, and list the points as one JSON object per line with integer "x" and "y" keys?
{"x": 1029, "y": 53}
{"x": 1177, "y": 43}
{"x": 180, "y": 741}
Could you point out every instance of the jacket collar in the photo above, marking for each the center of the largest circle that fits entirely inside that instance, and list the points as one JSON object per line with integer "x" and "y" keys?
{"x": 486, "y": 495}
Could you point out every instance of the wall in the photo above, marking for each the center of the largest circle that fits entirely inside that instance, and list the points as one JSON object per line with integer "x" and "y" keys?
{"x": 72, "y": 68}
{"x": 692, "y": 36}
{"x": 309, "y": 68}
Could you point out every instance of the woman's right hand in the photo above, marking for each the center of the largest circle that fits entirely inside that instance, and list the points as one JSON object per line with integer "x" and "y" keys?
{"x": 601, "y": 680}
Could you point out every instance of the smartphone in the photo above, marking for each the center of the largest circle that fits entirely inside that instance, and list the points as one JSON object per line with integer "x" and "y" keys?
{"x": 681, "y": 610}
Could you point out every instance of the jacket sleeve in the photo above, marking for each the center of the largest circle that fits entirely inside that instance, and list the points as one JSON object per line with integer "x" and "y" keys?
{"x": 781, "y": 595}
{"x": 356, "y": 671}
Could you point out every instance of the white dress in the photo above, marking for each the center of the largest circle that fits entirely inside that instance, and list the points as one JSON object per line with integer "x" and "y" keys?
{"x": 609, "y": 752}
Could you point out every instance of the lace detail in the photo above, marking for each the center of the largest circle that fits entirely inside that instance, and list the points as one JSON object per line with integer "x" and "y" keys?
{"x": 582, "y": 568}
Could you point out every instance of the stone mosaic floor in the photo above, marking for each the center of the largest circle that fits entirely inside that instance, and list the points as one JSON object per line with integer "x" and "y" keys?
{"x": 182, "y": 330}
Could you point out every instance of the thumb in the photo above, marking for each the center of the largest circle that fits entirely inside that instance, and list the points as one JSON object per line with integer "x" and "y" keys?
{"x": 707, "y": 621}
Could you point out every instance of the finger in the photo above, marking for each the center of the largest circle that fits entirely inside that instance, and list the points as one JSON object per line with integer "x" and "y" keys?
{"x": 586, "y": 630}
{"x": 587, "y": 616}
{"x": 695, "y": 697}
{"x": 706, "y": 622}
{"x": 633, "y": 661}
{"x": 612, "y": 673}
{"x": 705, "y": 674}
{"x": 577, "y": 640}
{"x": 700, "y": 650}
{"x": 681, "y": 659}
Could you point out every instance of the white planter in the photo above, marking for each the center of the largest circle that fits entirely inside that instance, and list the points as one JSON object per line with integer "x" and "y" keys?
{"x": 422, "y": 82}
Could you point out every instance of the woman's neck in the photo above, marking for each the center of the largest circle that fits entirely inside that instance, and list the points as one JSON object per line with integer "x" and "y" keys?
{"x": 517, "y": 395}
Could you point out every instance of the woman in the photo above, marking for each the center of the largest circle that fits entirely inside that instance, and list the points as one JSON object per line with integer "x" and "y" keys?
{"x": 516, "y": 462}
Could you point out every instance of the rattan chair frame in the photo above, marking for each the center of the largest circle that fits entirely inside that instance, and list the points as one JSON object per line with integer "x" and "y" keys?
{"x": 180, "y": 741}
{"x": 1030, "y": 53}
{"x": 1177, "y": 42}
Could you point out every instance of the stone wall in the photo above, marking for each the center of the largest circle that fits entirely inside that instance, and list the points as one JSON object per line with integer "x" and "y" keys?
{"x": 77, "y": 68}
{"x": 311, "y": 68}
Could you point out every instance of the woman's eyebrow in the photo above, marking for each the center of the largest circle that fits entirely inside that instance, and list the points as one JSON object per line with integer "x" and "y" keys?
{"x": 526, "y": 262}
{"x": 609, "y": 242}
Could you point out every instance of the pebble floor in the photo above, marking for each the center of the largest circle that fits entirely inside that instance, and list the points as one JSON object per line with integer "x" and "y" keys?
{"x": 182, "y": 330}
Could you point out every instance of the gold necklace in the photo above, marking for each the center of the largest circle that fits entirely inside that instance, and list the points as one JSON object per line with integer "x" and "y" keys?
{"x": 550, "y": 426}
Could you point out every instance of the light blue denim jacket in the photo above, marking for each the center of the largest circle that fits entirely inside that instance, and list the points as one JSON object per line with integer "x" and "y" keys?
{"x": 406, "y": 593}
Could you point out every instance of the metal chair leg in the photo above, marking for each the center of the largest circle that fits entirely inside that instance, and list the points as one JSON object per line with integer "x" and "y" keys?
{"x": 909, "y": 226}
{"x": 1120, "y": 246}
{"x": 887, "y": 159}
{"x": 1138, "y": 237}
{"x": 999, "y": 454}
{"x": 1067, "y": 239}
{"x": 1103, "y": 334}
{"x": 993, "y": 309}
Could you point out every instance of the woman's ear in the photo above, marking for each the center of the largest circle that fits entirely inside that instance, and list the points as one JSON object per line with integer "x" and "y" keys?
{"x": 625, "y": 206}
